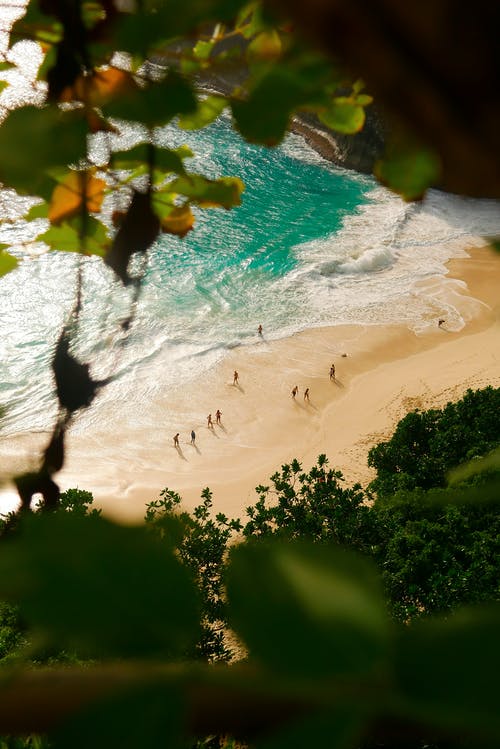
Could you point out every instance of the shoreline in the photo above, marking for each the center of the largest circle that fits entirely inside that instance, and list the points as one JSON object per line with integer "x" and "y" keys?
{"x": 386, "y": 372}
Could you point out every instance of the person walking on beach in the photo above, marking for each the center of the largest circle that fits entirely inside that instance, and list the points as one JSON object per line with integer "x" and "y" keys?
{"x": 218, "y": 414}
{"x": 176, "y": 440}
{"x": 210, "y": 423}
{"x": 295, "y": 391}
{"x": 235, "y": 377}
{"x": 332, "y": 372}
{"x": 193, "y": 437}
{"x": 259, "y": 330}
{"x": 306, "y": 394}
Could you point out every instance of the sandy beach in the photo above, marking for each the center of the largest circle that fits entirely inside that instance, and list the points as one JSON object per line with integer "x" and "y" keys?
{"x": 381, "y": 374}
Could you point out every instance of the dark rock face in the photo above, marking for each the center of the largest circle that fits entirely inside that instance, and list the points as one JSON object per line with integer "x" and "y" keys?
{"x": 358, "y": 152}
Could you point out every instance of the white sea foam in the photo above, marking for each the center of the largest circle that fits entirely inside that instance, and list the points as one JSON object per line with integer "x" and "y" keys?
{"x": 383, "y": 263}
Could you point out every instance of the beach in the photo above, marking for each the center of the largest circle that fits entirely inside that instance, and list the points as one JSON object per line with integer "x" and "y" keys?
{"x": 382, "y": 373}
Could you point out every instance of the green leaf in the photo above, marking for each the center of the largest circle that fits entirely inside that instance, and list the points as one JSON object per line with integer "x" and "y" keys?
{"x": 167, "y": 159}
{"x": 7, "y": 261}
{"x": 68, "y": 237}
{"x": 408, "y": 169}
{"x": 155, "y": 104}
{"x": 45, "y": 138}
{"x": 343, "y": 115}
{"x": 447, "y": 670}
{"x": 490, "y": 462}
{"x": 339, "y": 729}
{"x": 37, "y": 26}
{"x": 202, "y": 50}
{"x": 40, "y": 210}
{"x": 264, "y": 117}
{"x": 3, "y": 85}
{"x": 148, "y": 716}
{"x": 207, "y": 111}
{"x": 224, "y": 192}
{"x": 309, "y": 609}
{"x": 99, "y": 588}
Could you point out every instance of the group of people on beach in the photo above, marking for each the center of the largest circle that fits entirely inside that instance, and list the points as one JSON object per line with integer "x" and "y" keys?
{"x": 210, "y": 425}
{"x": 236, "y": 377}
{"x": 295, "y": 390}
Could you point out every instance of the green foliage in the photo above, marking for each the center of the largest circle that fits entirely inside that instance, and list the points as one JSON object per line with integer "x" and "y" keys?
{"x": 437, "y": 550}
{"x": 287, "y": 593}
{"x": 7, "y": 262}
{"x": 101, "y": 568}
{"x": 202, "y": 544}
{"x": 310, "y": 505}
{"x": 427, "y": 445}
{"x": 408, "y": 168}
{"x": 34, "y": 140}
{"x": 11, "y": 635}
{"x": 324, "y": 661}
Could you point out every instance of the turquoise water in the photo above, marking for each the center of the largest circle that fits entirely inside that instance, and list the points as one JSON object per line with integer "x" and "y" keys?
{"x": 311, "y": 245}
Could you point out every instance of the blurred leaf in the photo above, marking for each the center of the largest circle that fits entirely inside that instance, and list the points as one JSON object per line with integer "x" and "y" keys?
{"x": 146, "y": 717}
{"x": 46, "y": 137}
{"x": 364, "y": 100}
{"x": 155, "y": 104}
{"x": 104, "y": 85}
{"x": 265, "y": 115}
{"x": 168, "y": 159}
{"x": 265, "y": 46}
{"x": 40, "y": 210}
{"x": 138, "y": 230}
{"x": 29, "y": 484}
{"x": 74, "y": 385}
{"x": 202, "y": 50}
{"x": 308, "y": 609}
{"x": 208, "y": 109}
{"x": 178, "y": 220}
{"x": 78, "y": 188}
{"x": 448, "y": 670}
{"x": 69, "y": 237}
{"x": 65, "y": 70}
{"x": 37, "y": 26}
{"x": 3, "y": 85}
{"x": 225, "y": 192}
{"x": 408, "y": 169}
{"x": 339, "y": 729}
{"x": 7, "y": 262}
{"x": 343, "y": 115}
{"x": 63, "y": 237}
{"x": 249, "y": 20}
{"x": 490, "y": 462}
{"x": 87, "y": 584}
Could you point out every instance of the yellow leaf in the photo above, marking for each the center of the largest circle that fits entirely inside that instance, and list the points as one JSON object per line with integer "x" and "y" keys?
{"x": 266, "y": 46}
{"x": 98, "y": 88}
{"x": 69, "y": 195}
{"x": 179, "y": 221}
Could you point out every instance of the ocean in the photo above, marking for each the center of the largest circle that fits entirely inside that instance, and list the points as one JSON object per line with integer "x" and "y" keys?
{"x": 312, "y": 245}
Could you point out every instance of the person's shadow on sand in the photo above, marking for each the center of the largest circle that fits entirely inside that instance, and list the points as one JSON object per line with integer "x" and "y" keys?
{"x": 308, "y": 405}
{"x": 193, "y": 444}
{"x": 237, "y": 386}
{"x": 179, "y": 452}
{"x": 339, "y": 383}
